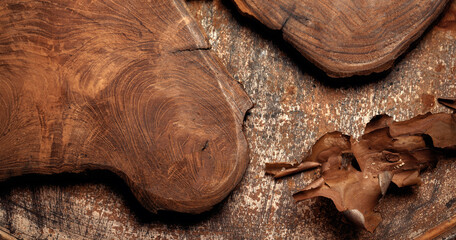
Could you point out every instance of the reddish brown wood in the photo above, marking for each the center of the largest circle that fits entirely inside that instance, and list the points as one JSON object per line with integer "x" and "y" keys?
{"x": 347, "y": 37}
{"x": 438, "y": 230}
{"x": 127, "y": 86}
{"x": 294, "y": 106}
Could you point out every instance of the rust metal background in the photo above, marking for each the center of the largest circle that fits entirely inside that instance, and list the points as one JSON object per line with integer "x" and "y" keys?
{"x": 295, "y": 104}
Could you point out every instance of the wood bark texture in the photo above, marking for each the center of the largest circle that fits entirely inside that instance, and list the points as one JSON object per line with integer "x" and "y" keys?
{"x": 347, "y": 37}
{"x": 128, "y": 86}
{"x": 295, "y": 104}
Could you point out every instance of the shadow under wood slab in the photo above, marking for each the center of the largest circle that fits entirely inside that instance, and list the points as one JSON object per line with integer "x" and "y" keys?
{"x": 347, "y": 37}
{"x": 127, "y": 86}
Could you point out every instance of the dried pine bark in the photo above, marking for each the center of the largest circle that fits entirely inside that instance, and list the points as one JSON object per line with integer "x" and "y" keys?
{"x": 356, "y": 173}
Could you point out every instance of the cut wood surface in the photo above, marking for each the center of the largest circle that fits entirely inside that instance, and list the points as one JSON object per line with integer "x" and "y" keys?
{"x": 125, "y": 86}
{"x": 295, "y": 104}
{"x": 347, "y": 37}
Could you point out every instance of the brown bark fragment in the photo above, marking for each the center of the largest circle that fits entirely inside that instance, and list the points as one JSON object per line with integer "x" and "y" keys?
{"x": 356, "y": 173}
{"x": 448, "y": 102}
{"x": 284, "y": 169}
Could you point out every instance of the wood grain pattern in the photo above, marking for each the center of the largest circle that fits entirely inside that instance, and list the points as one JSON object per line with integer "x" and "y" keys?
{"x": 347, "y": 37}
{"x": 295, "y": 104}
{"x": 126, "y": 86}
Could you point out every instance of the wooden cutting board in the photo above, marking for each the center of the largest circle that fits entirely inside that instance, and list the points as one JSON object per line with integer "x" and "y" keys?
{"x": 347, "y": 37}
{"x": 128, "y": 86}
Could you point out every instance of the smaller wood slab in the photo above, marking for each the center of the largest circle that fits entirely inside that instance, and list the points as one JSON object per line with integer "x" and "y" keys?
{"x": 347, "y": 37}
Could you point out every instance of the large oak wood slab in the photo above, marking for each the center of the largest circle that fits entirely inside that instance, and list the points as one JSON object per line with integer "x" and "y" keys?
{"x": 128, "y": 86}
{"x": 347, "y": 37}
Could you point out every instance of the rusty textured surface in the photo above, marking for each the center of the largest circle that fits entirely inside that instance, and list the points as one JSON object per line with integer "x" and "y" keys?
{"x": 295, "y": 103}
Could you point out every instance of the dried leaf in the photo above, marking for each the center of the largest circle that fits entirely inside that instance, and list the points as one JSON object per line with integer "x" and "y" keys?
{"x": 356, "y": 173}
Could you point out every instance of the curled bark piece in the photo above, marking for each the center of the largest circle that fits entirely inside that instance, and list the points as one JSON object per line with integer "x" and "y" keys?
{"x": 437, "y": 231}
{"x": 448, "y": 102}
{"x": 331, "y": 144}
{"x": 407, "y": 178}
{"x": 355, "y": 216}
{"x": 356, "y": 173}
{"x": 284, "y": 169}
{"x": 440, "y": 127}
{"x": 384, "y": 180}
{"x": 378, "y": 122}
{"x": 315, "y": 184}
{"x": 349, "y": 190}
